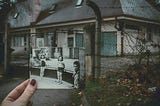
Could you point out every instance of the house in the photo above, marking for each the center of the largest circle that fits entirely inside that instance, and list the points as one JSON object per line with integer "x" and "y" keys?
{"x": 129, "y": 27}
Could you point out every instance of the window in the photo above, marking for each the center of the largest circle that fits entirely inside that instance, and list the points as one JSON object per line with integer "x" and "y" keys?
{"x": 79, "y": 39}
{"x": 19, "y": 41}
{"x": 51, "y": 39}
{"x": 54, "y": 39}
{"x": 53, "y": 8}
{"x": 70, "y": 42}
{"x": 40, "y": 42}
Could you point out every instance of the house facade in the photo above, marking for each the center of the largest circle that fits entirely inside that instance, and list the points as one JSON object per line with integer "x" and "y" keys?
{"x": 129, "y": 27}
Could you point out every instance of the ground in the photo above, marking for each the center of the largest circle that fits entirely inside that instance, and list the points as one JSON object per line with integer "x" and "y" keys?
{"x": 42, "y": 97}
{"x": 47, "y": 97}
{"x": 139, "y": 85}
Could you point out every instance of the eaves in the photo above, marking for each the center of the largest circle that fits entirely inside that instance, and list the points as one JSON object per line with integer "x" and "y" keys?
{"x": 89, "y": 20}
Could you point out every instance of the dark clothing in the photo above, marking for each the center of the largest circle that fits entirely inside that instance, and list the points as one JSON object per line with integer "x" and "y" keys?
{"x": 60, "y": 69}
{"x": 43, "y": 64}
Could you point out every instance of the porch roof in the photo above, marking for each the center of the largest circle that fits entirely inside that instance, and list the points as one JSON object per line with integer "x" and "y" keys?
{"x": 109, "y": 8}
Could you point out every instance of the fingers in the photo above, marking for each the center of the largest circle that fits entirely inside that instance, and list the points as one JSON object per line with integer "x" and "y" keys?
{"x": 29, "y": 91}
{"x": 15, "y": 93}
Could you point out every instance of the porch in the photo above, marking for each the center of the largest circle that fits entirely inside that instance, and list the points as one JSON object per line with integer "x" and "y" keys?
{"x": 70, "y": 55}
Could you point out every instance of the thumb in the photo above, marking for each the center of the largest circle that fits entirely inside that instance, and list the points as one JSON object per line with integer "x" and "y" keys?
{"x": 28, "y": 92}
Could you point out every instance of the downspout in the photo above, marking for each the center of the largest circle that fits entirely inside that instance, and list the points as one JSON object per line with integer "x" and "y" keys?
{"x": 96, "y": 56}
{"x": 119, "y": 26}
{"x": 122, "y": 43}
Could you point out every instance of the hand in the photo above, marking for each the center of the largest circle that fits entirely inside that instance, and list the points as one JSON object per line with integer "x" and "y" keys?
{"x": 21, "y": 95}
{"x": 64, "y": 70}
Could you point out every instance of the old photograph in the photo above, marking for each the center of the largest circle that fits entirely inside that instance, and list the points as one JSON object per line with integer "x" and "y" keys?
{"x": 55, "y": 67}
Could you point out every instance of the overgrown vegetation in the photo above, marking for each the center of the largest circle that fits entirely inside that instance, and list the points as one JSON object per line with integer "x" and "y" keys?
{"x": 137, "y": 86}
{"x": 76, "y": 98}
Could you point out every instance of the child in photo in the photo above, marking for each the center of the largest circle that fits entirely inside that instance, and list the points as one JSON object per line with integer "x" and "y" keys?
{"x": 43, "y": 63}
{"x": 60, "y": 70}
{"x": 76, "y": 74}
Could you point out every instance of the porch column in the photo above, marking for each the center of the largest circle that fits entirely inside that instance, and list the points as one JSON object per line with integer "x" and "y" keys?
{"x": 6, "y": 48}
{"x": 97, "y": 43}
{"x": 97, "y": 51}
{"x": 89, "y": 36}
{"x": 33, "y": 37}
{"x": 7, "y": 53}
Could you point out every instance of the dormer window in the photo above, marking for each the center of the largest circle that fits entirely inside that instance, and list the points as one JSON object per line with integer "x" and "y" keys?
{"x": 79, "y": 3}
{"x": 53, "y": 8}
{"x": 16, "y": 15}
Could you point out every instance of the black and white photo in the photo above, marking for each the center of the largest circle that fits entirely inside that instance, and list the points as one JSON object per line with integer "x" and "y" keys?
{"x": 52, "y": 66}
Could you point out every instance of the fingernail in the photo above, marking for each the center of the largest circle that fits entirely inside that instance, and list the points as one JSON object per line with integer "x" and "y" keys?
{"x": 33, "y": 82}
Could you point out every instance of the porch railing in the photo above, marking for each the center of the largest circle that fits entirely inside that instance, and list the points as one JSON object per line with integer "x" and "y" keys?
{"x": 55, "y": 52}
{"x": 66, "y": 52}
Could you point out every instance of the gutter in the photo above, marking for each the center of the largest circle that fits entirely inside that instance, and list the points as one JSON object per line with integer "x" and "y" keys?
{"x": 85, "y": 21}
{"x": 143, "y": 20}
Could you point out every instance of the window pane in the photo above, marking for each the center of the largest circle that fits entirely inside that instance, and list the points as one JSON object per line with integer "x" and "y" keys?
{"x": 18, "y": 41}
{"x": 22, "y": 41}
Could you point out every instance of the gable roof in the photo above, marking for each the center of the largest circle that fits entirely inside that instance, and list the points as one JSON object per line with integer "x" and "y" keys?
{"x": 66, "y": 11}
{"x": 140, "y": 8}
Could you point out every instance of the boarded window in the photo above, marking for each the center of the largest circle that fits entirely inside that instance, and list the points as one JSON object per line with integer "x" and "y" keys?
{"x": 108, "y": 44}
